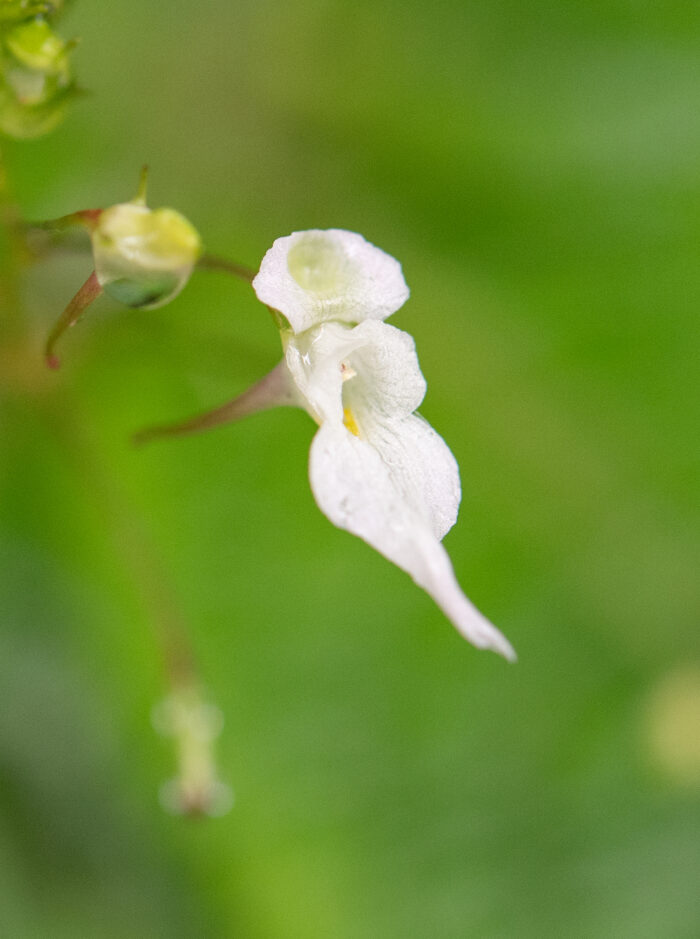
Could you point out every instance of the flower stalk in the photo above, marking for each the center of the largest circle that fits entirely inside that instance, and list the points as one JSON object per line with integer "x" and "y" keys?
{"x": 210, "y": 262}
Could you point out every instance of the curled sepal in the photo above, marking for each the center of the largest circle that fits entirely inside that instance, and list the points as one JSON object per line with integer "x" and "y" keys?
{"x": 143, "y": 257}
{"x": 90, "y": 291}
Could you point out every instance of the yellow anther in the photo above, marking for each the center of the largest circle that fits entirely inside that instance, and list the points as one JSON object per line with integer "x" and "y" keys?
{"x": 350, "y": 422}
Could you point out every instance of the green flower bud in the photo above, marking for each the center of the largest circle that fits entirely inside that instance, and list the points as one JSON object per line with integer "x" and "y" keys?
{"x": 144, "y": 257}
{"x": 34, "y": 78}
{"x": 12, "y": 11}
{"x": 24, "y": 122}
{"x": 37, "y": 47}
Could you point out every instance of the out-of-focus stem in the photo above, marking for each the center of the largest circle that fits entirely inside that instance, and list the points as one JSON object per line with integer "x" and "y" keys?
{"x": 9, "y": 256}
{"x": 194, "y": 724}
{"x": 133, "y": 545}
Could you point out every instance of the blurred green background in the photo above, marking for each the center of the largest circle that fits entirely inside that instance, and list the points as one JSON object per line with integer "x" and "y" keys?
{"x": 536, "y": 169}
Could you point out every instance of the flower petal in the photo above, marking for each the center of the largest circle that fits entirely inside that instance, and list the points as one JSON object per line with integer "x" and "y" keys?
{"x": 353, "y": 487}
{"x": 374, "y": 365}
{"x": 371, "y": 375}
{"x": 315, "y": 276}
{"x": 421, "y": 467}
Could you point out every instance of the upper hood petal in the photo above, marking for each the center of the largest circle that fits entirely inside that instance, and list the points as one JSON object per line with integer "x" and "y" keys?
{"x": 314, "y": 276}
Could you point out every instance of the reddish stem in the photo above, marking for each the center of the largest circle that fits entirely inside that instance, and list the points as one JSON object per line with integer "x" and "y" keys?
{"x": 90, "y": 290}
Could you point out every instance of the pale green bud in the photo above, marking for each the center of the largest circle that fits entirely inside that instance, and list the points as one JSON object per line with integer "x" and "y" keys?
{"x": 35, "y": 45}
{"x": 194, "y": 725}
{"x": 144, "y": 257}
{"x": 11, "y": 11}
{"x": 35, "y": 78}
{"x": 26, "y": 121}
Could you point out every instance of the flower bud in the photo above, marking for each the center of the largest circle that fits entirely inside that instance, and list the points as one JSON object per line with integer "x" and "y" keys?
{"x": 194, "y": 725}
{"x": 34, "y": 44}
{"x": 12, "y": 11}
{"x": 144, "y": 257}
{"x": 35, "y": 78}
{"x": 25, "y": 122}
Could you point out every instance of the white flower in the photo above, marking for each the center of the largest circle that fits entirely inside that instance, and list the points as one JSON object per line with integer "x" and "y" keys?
{"x": 376, "y": 469}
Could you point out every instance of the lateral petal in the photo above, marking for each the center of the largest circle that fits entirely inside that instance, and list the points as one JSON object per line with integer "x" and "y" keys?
{"x": 373, "y": 365}
{"x": 370, "y": 375}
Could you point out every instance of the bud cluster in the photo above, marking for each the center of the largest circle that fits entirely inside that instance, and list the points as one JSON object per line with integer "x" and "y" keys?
{"x": 35, "y": 73}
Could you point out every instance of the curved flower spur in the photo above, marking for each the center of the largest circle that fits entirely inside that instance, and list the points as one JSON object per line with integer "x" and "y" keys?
{"x": 376, "y": 468}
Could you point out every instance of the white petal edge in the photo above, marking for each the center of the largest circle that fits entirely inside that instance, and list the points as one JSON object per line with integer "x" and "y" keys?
{"x": 315, "y": 276}
{"x": 353, "y": 488}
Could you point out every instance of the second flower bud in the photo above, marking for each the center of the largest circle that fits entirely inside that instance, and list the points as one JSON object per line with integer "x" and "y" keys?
{"x": 143, "y": 258}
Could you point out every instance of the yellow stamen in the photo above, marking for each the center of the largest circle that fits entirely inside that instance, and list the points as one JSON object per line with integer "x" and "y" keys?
{"x": 350, "y": 422}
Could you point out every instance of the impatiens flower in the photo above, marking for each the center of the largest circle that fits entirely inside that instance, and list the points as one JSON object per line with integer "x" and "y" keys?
{"x": 377, "y": 469}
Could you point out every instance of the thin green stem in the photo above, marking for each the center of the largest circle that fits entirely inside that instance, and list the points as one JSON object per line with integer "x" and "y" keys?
{"x": 140, "y": 197}
{"x": 210, "y": 262}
